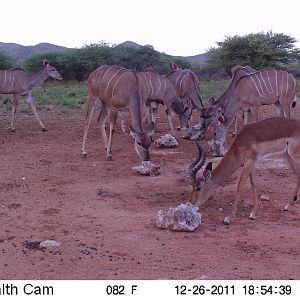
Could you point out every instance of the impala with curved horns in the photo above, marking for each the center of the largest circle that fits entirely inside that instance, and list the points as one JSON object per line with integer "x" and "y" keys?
{"x": 278, "y": 136}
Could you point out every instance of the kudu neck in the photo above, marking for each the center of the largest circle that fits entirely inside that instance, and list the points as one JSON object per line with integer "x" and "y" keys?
{"x": 38, "y": 78}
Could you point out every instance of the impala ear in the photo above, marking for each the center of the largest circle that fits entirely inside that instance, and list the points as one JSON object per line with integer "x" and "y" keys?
{"x": 173, "y": 66}
{"x": 221, "y": 120}
{"x": 207, "y": 172}
{"x": 45, "y": 63}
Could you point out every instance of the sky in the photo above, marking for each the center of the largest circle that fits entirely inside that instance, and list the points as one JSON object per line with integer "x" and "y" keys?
{"x": 176, "y": 27}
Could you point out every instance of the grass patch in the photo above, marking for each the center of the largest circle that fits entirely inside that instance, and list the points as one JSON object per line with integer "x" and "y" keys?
{"x": 73, "y": 95}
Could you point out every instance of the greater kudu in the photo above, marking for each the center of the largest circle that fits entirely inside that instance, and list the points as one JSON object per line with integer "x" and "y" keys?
{"x": 118, "y": 90}
{"x": 19, "y": 83}
{"x": 252, "y": 90}
{"x": 187, "y": 87}
{"x": 277, "y": 136}
{"x": 156, "y": 89}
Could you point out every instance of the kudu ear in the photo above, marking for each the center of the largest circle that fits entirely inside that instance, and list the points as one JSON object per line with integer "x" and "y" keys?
{"x": 207, "y": 172}
{"x": 173, "y": 66}
{"x": 45, "y": 63}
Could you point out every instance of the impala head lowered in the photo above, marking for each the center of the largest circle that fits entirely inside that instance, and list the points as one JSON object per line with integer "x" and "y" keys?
{"x": 201, "y": 181}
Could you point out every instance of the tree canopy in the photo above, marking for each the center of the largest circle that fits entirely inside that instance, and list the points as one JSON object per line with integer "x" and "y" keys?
{"x": 258, "y": 50}
{"x": 6, "y": 62}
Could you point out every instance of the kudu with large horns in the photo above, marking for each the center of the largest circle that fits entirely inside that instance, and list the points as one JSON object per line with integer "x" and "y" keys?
{"x": 187, "y": 87}
{"x": 277, "y": 136}
{"x": 19, "y": 83}
{"x": 252, "y": 90}
{"x": 118, "y": 90}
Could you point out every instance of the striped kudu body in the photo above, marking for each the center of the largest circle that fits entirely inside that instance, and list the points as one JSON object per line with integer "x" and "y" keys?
{"x": 187, "y": 87}
{"x": 252, "y": 90}
{"x": 118, "y": 90}
{"x": 156, "y": 89}
{"x": 19, "y": 83}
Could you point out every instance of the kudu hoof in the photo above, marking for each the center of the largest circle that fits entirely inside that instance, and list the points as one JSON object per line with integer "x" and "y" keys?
{"x": 109, "y": 158}
{"x": 226, "y": 221}
{"x": 84, "y": 155}
{"x": 44, "y": 129}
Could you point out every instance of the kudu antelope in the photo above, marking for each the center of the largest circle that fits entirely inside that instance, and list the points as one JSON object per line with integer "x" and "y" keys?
{"x": 277, "y": 136}
{"x": 19, "y": 83}
{"x": 251, "y": 90}
{"x": 118, "y": 90}
{"x": 156, "y": 89}
{"x": 187, "y": 87}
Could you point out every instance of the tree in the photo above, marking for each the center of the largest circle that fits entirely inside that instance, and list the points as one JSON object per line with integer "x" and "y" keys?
{"x": 258, "y": 50}
{"x": 6, "y": 62}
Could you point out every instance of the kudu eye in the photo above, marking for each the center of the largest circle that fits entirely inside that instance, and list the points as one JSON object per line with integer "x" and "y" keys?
{"x": 198, "y": 188}
{"x": 139, "y": 143}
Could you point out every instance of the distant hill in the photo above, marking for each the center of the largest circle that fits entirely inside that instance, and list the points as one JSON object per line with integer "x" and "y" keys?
{"x": 200, "y": 58}
{"x": 130, "y": 44}
{"x": 21, "y": 52}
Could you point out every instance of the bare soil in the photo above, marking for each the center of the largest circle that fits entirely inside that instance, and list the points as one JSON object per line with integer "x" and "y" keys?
{"x": 103, "y": 213}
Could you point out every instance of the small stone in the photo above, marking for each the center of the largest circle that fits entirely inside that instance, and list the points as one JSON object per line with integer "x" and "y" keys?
{"x": 264, "y": 197}
{"x": 148, "y": 168}
{"x": 49, "y": 243}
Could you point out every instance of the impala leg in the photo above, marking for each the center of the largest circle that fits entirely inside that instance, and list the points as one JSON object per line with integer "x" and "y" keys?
{"x": 296, "y": 168}
{"x": 112, "y": 126}
{"x": 254, "y": 194}
{"x": 15, "y": 102}
{"x": 245, "y": 174}
{"x": 92, "y": 100}
{"x": 32, "y": 106}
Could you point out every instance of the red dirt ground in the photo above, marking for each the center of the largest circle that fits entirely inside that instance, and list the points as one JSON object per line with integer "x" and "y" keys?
{"x": 103, "y": 213}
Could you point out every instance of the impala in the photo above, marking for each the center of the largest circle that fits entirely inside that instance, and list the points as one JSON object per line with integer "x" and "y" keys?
{"x": 277, "y": 136}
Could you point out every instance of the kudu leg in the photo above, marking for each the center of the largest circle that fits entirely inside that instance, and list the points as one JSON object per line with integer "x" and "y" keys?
{"x": 247, "y": 170}
{"x": 101, "y": 120}
{"x": 32, "y": 106}
{"x": 15, "y": 102}
{"x": 90, "y": 109}
{"x": 113, "y": 119}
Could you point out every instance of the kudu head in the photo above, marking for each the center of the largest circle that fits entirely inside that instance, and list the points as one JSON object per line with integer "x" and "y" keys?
{"x": 142, "y": 140}
{"x": 209, "y": 114}
{"x": 197, "y": 196}
{"x": 51, "y": 71}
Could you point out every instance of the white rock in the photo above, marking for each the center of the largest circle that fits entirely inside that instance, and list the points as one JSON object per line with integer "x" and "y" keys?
{"x": 148, "y": 168}
{"x": 166, "y": 140}
{"x": 182, "y": 218}
{"x": 50, "y": 243}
